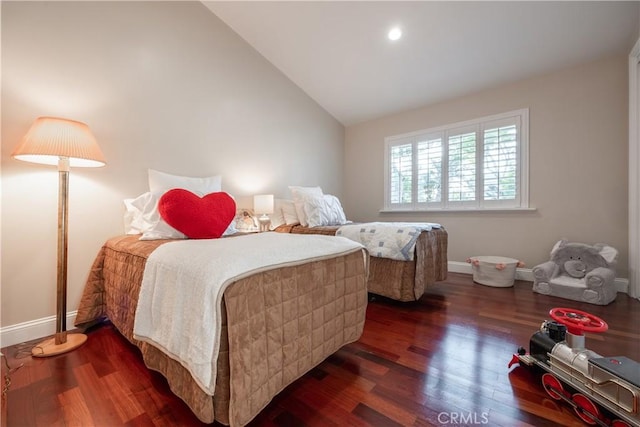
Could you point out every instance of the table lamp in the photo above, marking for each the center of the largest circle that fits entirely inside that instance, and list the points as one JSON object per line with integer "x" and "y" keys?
{"x": 263, "y": 204}
{"x": 65, "y": 143}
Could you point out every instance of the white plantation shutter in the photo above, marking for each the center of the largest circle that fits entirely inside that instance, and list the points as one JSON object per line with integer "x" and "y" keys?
{"x": 401, "y": 162}
{"x": 462, "y": 167}
{"x": 429, "y": 167}
{"x": 500, "y": 163}
{"x": 479, "y": 164}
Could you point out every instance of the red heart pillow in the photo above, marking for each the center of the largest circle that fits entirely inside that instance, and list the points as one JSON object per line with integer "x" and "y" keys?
{"x": 197, "y": 217}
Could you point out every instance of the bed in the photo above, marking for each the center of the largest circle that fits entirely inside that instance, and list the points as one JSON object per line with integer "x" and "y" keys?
{"x": 277, "y": 323}
{"x": 398, "y": 280}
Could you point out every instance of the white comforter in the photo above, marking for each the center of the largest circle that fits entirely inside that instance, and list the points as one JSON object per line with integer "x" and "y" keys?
{"x": 179, "y": 304}
{"x": 394, "y": 240}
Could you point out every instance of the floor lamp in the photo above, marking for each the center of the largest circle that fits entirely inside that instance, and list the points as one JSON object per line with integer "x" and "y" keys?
{"x": 65, "y": 143}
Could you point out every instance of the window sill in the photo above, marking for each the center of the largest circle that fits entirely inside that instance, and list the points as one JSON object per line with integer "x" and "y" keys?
{"x": 456, "y": 210}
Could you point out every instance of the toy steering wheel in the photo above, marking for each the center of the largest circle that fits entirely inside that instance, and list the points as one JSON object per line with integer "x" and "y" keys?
{"x": 578, "y": 321}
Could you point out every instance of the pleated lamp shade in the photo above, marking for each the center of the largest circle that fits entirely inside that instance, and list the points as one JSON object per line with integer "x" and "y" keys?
{"x": 51, "y": 138}
{"x": 263, "y": 204}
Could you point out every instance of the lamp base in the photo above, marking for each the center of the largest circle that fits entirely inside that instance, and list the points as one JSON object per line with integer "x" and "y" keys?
{"x": 264, "y": 221}
{"x": 50, "y": 348}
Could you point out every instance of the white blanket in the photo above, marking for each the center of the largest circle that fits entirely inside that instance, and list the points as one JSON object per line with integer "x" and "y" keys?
{"x": 180, "y": 297}
{"x": 394, "y": 240}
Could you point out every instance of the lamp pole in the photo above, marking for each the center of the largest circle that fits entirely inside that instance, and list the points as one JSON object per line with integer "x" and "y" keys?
{"x": 63, "y": 225}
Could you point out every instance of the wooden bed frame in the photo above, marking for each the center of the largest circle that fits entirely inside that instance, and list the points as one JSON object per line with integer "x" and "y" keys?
{"x": 399, "y": 280}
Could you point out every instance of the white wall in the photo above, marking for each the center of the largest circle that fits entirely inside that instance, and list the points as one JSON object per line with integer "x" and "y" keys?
{"x": 578, "y": 164}
{"x": 162, "y": 85}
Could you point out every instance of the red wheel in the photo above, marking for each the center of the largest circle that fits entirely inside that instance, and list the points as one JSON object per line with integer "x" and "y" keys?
{"x": 619, "y": 423}
{"x": 552, "y": 386}
{"x": 586, "y": 410}
{"x": 578, "y": 321}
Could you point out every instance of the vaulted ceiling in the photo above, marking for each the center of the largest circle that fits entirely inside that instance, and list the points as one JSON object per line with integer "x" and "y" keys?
{"x": 338, "y": 52}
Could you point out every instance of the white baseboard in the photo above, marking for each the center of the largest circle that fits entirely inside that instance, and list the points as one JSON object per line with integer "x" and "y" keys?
{"x": 31, "y": 330}
{"x": 622, "y": 285}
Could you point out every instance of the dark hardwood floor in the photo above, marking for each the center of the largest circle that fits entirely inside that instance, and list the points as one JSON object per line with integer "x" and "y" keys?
{"x": 439, "y": 361}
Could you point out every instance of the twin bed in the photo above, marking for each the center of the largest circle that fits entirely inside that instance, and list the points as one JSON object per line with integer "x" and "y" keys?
{"x": 399, "y": 280}
{"x": 276, "y": 323}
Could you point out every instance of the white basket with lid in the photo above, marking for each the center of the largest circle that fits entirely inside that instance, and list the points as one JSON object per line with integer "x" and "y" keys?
{"x": 497, "y": 271}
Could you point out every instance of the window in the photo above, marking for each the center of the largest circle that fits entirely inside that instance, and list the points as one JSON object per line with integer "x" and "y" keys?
{"x": 479, "y": 164}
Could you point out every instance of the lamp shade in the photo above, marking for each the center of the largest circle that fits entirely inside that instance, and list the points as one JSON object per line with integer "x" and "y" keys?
{"x": 263, "y": 204}
{"x": 52, "y": 138}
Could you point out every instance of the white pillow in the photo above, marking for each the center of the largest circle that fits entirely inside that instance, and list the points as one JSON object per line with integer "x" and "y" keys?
{"x": 231, "y": 229}
{"x": 161, "y": 181}
{"x": 153, "y": 227}
{"x": 289, "y": 212}
{"x": 145, "y": 219}
{"x": 277, "y": 217}
{"x": 300, "y": 194}
{"x": 133, "y": 223}
{"x": 325, "y": 210}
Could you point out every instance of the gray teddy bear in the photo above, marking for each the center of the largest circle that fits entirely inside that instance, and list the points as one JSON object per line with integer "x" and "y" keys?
{"x": 578, "y": 271}
{"x": 578, "y": 259}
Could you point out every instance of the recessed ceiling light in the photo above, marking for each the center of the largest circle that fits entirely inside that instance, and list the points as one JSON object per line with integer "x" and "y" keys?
{"x": 394, "y": 34}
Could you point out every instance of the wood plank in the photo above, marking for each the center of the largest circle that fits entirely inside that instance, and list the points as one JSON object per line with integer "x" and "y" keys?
{"x": 98, "y": 399}
{"x": 75, "y": 409}
{"x": 124, "y": 400}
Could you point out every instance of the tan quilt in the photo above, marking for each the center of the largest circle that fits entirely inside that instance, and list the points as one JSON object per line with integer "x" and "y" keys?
{"x": 399, "y": 280}
{"x": 277, "y": 324}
